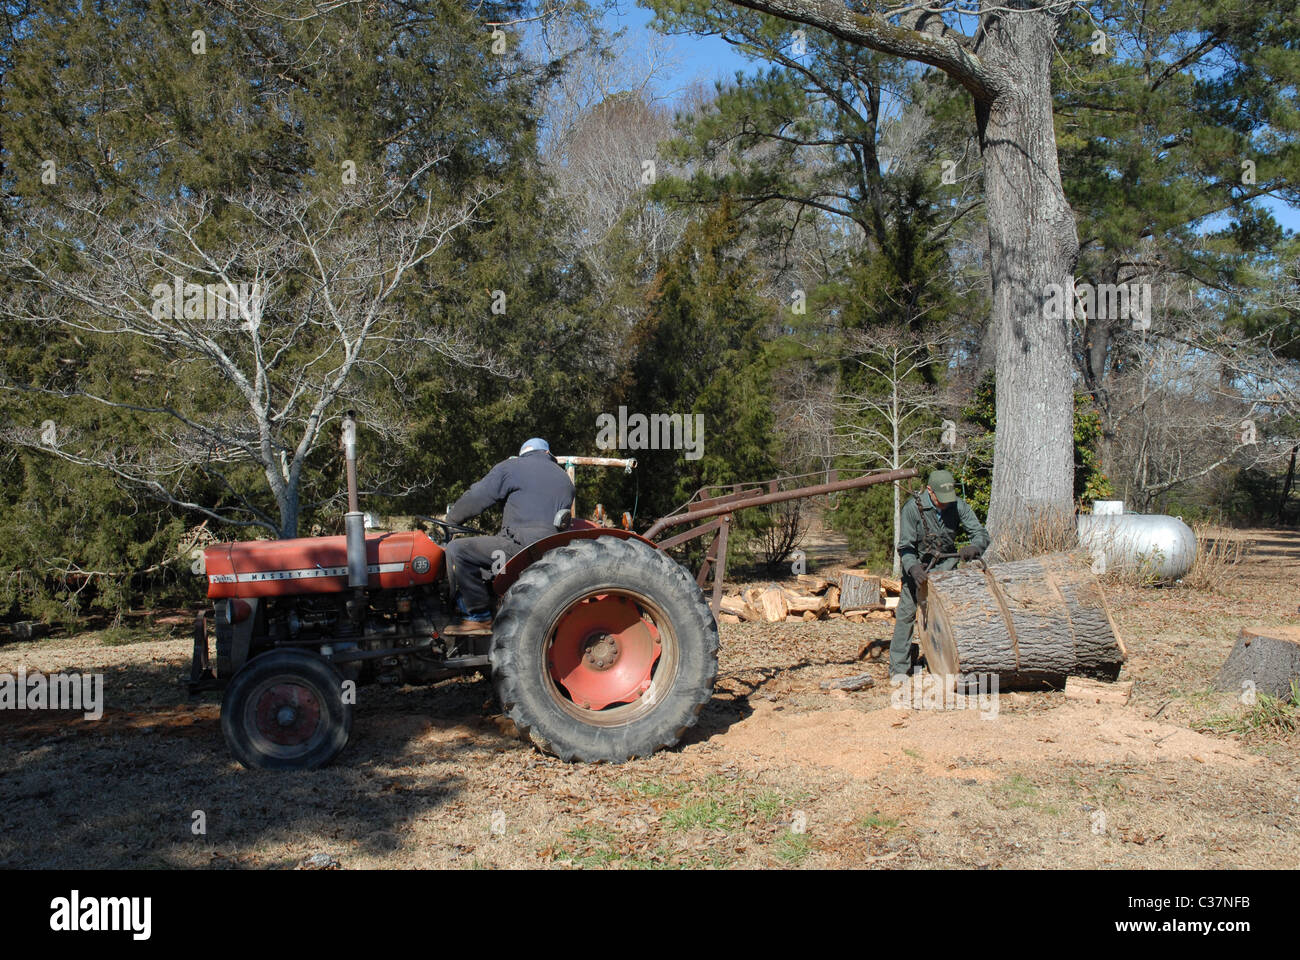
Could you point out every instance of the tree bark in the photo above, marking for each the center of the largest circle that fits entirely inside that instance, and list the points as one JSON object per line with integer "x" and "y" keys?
{"x": 858, "y": 590}
{"x": 1264, "y": 660}
{"x": 1033, "y": 243}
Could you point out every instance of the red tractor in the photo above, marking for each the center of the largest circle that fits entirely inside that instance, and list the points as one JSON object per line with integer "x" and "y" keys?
{"x": 602, "y": 648}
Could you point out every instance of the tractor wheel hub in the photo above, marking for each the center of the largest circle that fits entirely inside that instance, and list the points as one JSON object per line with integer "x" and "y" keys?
{"x": 602, "y": 651}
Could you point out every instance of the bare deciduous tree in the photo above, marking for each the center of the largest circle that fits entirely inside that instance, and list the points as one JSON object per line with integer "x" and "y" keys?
{"x": 892, "y": 426}
{"x": 264, "y": 310}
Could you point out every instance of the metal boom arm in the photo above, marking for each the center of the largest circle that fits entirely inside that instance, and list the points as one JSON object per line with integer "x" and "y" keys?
{"x": 742, "y": 497}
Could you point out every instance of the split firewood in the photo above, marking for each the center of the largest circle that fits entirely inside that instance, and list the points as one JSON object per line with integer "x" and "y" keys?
{"x": 737, "y": 607}
{"x": 880, "y": 615}
{"x": 813, "y": 584}
{"x": 809, "y": 616}
{"x": 833, "y": 599}
{"x": 834, "y": 615}
{"x": 890, "y": 585}
{"x": 891, "y": 603}
{"x": 728, "y": 618}
{"x": 773, "y": 604}
{"x": 797, "y": 604}
{"x": 732, "y": 605}
{"x": 875, "y": 607}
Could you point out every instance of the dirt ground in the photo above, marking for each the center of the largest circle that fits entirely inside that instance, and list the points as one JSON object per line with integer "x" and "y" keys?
{"x": 779, "y": 773}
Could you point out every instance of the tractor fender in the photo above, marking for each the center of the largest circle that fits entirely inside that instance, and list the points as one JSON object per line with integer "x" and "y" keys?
{"x": 581, "y": 530}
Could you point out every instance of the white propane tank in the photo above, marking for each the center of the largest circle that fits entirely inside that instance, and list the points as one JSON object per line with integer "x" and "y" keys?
{"x": 1157, "y": 545}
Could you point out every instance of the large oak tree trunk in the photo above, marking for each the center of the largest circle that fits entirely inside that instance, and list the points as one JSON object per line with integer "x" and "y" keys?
{"x": 1030, "y": 622}
{"x": 1033, "y": 243}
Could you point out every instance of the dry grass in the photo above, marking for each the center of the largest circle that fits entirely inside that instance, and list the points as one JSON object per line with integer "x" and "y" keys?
{"x": 1039, "y": 532}
{"x": 1266, "y": 718}
{"x": 1217, "y": 557}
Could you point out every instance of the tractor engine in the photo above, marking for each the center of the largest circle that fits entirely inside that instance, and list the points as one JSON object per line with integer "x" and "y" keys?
{"x": 296, "y": 593}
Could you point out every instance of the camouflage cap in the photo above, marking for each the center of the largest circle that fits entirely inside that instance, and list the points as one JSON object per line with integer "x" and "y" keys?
{"x": 943, "y": 485}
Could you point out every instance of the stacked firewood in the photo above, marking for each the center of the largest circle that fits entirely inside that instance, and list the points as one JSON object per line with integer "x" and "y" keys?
{"x": 854, "y": 595}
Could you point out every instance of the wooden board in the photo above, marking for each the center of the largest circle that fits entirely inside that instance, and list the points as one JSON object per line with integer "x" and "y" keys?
{"x": 1094, "y": 691}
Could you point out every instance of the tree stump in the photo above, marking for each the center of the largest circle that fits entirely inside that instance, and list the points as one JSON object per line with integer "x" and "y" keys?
{"x": 1032, "y": 622}
{"x": 1268, "y": 657}
{"x": 858, "y": 590}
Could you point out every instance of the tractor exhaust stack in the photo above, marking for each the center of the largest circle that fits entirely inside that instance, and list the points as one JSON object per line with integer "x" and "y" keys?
{"x": 354, "y": 521}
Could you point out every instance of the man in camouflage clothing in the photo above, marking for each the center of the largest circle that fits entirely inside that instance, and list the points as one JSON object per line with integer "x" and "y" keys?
{"x": 928, "y": 527}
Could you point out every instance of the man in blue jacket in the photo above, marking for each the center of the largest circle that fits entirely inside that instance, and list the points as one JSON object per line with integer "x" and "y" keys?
{"x": 535, "y": 490}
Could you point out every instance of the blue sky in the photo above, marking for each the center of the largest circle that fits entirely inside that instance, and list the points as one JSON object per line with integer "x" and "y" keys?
{"x": 710, "y": 58}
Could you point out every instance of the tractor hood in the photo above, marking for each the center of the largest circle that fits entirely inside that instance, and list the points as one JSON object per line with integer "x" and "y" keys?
{"x": 274, "y": 568}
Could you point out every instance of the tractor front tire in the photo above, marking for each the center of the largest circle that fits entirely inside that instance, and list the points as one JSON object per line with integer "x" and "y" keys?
{"x": 604, "y": 650}
{"x": 285, "y": 710}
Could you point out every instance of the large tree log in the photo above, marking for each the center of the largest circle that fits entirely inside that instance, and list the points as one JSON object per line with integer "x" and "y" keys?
{"x": 858, "y": 590}
{"x": 1268, "y": 657}
{"x": 1031, "y": 622}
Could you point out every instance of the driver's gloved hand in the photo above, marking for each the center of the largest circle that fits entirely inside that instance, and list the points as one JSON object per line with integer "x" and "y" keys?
{"x": 969, "y": 552}
{"x": 917, "y": 573}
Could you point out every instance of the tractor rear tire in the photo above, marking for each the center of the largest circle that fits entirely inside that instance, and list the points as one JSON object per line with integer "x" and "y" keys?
{"x": 285, "y": 710}
{"x": 604, "y": 650}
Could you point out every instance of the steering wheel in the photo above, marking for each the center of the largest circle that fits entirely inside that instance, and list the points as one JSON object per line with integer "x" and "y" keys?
{"x": 448, "y": 528}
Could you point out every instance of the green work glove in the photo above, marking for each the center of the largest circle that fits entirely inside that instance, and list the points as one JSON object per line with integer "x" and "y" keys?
{"x": 917, "y": 573}
{"x": 969, "y": 552}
